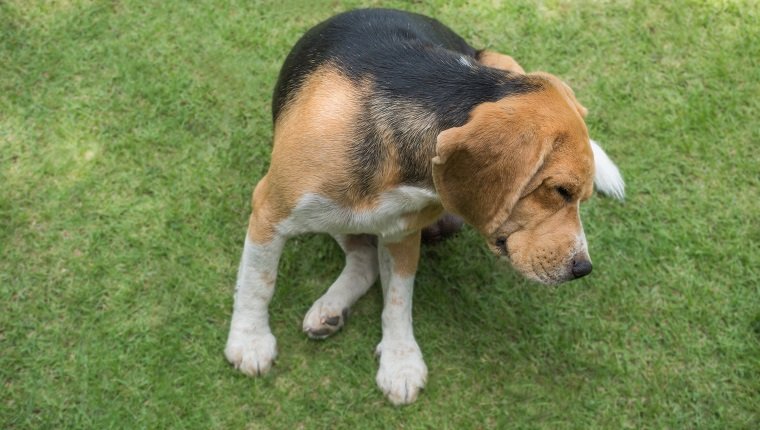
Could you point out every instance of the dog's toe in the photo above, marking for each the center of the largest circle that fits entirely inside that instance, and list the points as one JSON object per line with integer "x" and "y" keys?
{"x": 252, "y": 355}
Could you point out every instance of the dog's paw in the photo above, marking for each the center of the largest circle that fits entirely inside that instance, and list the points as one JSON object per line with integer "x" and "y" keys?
{"x": 325, "y": 317}
{"x": 402, "y": 372}
{"x": 252, "y": 355}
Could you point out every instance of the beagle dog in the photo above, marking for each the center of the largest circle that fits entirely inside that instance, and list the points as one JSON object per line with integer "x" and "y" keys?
{"x": 383, "y": 121}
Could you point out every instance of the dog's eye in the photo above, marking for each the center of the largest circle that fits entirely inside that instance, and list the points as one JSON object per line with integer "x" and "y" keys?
{"x": 565, "y": 193}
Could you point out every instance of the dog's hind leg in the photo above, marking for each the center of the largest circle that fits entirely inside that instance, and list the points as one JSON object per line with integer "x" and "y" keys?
{"x": 329, "y": 312}
{"x": 251, "y": 347}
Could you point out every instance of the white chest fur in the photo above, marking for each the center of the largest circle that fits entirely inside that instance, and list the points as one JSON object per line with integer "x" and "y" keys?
{"x": 316, "y": 213}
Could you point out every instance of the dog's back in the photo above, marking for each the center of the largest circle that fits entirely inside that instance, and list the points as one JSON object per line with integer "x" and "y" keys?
{"x": 376, "y": 42}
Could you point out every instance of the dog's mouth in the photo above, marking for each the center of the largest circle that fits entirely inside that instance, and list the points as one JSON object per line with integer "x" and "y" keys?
{"x": 539, "y": 272}
{"x": 544, "y": 275}
{"x": 535, "y": 269}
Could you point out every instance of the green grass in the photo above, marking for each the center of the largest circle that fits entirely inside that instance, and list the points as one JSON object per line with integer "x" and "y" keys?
{"x": 132, "y": 133}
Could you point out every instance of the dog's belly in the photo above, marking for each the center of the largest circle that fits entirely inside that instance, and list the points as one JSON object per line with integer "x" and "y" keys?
{"x": 394, "y": 213}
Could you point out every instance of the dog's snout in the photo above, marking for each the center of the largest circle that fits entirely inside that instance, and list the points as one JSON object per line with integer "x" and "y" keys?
{"x": 581, "y": 267}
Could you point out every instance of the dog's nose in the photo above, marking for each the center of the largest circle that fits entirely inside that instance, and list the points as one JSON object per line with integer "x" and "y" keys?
{"x": 581, "y": 267}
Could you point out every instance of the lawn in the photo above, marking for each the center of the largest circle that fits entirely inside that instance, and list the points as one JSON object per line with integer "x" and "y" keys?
{"x": 132, "y": 133}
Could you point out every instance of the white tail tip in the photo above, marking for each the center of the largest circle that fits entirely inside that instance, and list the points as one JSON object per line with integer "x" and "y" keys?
{"x": 607, "y": 177}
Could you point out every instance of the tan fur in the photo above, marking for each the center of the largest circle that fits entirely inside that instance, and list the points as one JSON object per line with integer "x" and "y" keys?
{"x": 568, "y": 92}
{"x": 309, "y": 152}
{"x": 499, "y": 61}
{"x": 546, "y": 238}
{"x": 263, "y": 217}
{"x": 423, "y": 218}
{"x": 405, "y": 254}
{"x": 543, "y": 228}
{"x": 311, "y": 135}
{"x": 482, "y": 167}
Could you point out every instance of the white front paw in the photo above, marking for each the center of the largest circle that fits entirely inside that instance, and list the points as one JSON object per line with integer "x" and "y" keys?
{"x": 251, "y": 354}
{"x": 402, "y": 372}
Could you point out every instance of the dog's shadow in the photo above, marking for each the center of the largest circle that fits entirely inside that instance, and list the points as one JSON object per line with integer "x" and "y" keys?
{"x": 480, "y": 311}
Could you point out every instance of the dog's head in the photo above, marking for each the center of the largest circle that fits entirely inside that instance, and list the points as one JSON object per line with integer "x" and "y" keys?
{"x": 518, "y": 171}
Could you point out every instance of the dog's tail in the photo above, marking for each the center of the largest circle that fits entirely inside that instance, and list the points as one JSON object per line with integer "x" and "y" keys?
{"x": 607, "y": 178}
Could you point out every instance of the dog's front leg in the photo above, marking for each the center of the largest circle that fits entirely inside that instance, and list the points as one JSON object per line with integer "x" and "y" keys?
{"x": 402, "y": 372}
{"x": 251, "y": 347}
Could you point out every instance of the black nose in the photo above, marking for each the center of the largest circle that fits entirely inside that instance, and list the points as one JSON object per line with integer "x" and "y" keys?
{"x": 581, "y": 268}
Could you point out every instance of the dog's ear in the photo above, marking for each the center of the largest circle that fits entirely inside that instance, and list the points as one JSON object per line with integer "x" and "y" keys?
{"x": 481, "y": 168}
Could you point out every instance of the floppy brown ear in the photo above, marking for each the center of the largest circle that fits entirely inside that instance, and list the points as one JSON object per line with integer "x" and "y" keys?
{"x": 482, "y": 167}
